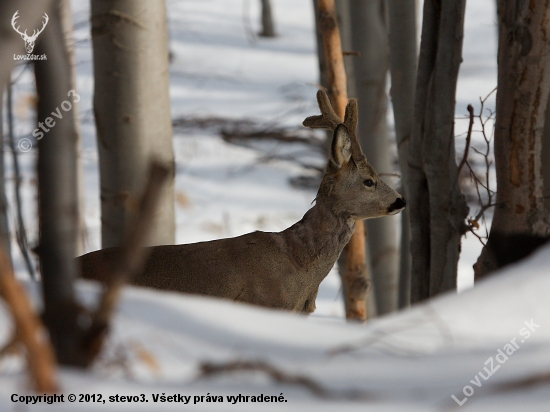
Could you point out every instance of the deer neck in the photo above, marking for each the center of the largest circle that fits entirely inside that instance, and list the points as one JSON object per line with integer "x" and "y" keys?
{"x": 317, "y": 240}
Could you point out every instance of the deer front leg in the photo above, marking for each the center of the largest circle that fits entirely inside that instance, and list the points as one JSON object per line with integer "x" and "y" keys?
{"x": 309, "y": 304}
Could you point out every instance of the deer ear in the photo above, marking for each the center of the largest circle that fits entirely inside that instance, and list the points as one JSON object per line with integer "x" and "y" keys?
{"x": 340, "y": 150}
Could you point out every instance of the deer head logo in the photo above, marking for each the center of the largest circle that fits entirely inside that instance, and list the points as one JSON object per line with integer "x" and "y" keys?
{"x": 29, "y": 40}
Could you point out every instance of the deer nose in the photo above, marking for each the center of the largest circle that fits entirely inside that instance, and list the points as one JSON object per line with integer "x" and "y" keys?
{"x": 399, "y": 204}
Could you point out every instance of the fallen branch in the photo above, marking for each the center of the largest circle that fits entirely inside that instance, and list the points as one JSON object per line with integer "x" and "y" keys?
{"x": 273, "y": 134}
{"x": 235, "y": 129}
{"x": 289, "y": 158}
{"x": 525, "y": 383}
{"x": 211, "y": 369}
{"x": 29, "y": 330}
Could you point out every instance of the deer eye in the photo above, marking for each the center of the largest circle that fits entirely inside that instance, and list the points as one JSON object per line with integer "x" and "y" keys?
{"x": 368, "y": 182}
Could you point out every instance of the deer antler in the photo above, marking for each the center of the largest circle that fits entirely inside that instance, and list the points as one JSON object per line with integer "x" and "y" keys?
{"x": 35, "y": 33}
{"x": 13, "y": 21}
{"x": 351, "y": 118}
{"x": 328, "y": 118}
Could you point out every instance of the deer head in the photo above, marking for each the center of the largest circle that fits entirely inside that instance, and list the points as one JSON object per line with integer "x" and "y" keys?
{"x": 350, "y": 183}
{"x": 29, "y": 40}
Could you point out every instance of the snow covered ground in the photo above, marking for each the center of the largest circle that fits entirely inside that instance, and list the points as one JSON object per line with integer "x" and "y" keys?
{"x": 486, "y": 347}
{"x": 415, "y": 360}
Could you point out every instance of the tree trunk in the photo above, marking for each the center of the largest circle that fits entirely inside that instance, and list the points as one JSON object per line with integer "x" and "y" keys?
{"x": 57, "y": 191}
{"x": 5, "y": 243}
{"x": 67, "y": 27}
{"x": 403, "y": 58}
{"x": 321, "y": 58}
{"x": 268, "y": 27}
{"x": 344, "y": 25}
{"x": 20, "y": 231}
{"x": 356, "y": 279}
{"x": 545, "y": 156}
{"x": 437, "y": 207}
{"x": 522, "y": 97}
{"x": 369, "y": 37}
{"x": 132, "y": 111}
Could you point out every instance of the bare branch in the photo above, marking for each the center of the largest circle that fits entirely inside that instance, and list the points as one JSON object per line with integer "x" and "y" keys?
{"x": 211, "y": 369}
{"x": 484, "y": 205}
{"x": 525, "y": 383}
{"x": 468, "y": 138}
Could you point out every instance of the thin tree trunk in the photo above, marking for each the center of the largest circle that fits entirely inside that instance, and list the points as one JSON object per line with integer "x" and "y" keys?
{"x": 67, "y": 27}
{"x": 437, "y": 207}
{"x": 522, "y": 98}
{"x": 5, "y": 243}
{"x": 344, "y": 25}
{"x": 355, "y": 276}
{"x": 369, "y": 37}
{"x": 268, "y": 26}
{"x": 404, "y": 299}
{"x": 57, "y": 191}
{"x": 403, "y": 58}
{"x": 20, "y": 231}
{"x": 321, "y": 58}
{"x": 132, "y": 111}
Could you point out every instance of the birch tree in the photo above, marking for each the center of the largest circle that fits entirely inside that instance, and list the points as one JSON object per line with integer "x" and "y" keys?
{"x": 520, "y": 218}
{"x": 68, "y": 39}
{"x": 132, "y": 111}
{"x": 369, "y": 37}
{"x": 403, "y": 59}
{"x": 344, "y": 25}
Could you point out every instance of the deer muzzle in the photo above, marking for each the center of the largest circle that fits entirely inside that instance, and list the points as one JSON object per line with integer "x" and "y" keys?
{"x": 397, "y": 206}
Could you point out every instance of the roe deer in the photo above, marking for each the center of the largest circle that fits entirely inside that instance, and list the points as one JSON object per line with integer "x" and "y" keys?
{"x": 279, "y": 270}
